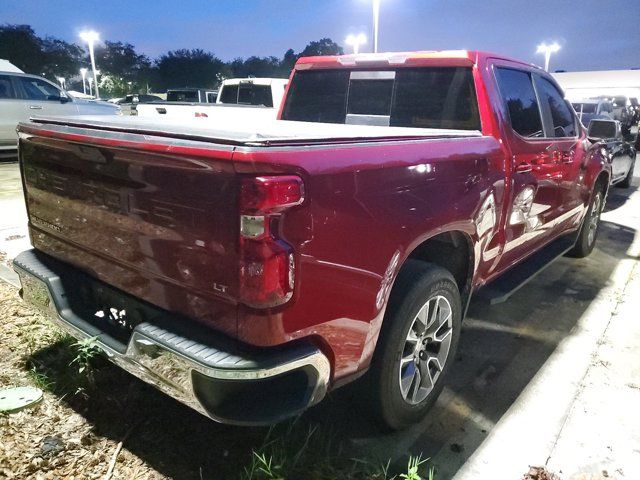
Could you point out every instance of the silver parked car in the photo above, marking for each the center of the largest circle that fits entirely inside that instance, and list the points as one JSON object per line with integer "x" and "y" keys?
{"x": 23, "y": 96}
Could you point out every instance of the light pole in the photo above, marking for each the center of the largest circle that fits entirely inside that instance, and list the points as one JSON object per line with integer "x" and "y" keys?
{"x": 376, "y": 18}
{"x": 61, "y": 81}
{"x": 355, "y": 41}
{"x": 547, "y": 50}
{"x": 91, "y": 37}
{"x": 90, "y": 80}
{"x": 83, "y": 72}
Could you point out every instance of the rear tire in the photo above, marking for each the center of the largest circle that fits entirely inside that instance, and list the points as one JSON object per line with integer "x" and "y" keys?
{"x": 417, "y": 344}
{"x": 590, "y": 226}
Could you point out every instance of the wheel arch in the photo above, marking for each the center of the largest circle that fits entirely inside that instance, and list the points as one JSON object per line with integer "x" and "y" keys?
{"x": 452, "y": 250}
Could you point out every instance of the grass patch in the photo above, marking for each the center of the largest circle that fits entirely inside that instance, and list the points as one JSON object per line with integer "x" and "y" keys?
{"x": 297, "y": 450}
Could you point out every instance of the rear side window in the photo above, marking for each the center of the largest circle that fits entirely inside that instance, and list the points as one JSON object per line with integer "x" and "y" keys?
{"x": 556, "y": 109}
{"x": 6, "y": 87}
{"x": 407, "y": 97}
{"x": 519, "y": 96}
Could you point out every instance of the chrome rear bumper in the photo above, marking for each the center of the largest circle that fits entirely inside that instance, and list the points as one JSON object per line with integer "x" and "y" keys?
{"x": 189, "y": 362}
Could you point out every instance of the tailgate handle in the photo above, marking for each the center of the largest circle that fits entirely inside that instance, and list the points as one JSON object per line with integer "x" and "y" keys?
{"x": 161, "y": 111}
{"x": 35, "y": 107}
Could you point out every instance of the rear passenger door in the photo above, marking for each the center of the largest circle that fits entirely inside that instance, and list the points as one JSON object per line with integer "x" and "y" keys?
{"x": 566, "y": 147}
{"x": 534, "y": 163}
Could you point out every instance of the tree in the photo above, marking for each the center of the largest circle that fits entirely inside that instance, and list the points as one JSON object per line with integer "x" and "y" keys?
{"x": 256, "y": 67}
{"x": 193, "y": 68}
{"x": 20, "y": 45}
{"x": 121, "y": 60}
{"x": 63, "y": 59}
{"x": 124, "y": 70}
{"x": 324, "y": 46}
{"x": 288, "y": 61}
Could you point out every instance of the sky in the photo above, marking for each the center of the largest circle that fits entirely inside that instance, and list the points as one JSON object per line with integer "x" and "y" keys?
{"x": 594, "y": 35}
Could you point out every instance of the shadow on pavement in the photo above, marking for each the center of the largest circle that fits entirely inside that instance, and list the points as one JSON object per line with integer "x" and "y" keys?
{"x": 501, "y": 350}
{"x": 618, "y": 196}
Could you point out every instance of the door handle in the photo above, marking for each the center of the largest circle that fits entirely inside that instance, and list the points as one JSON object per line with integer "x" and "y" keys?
{"x": 524, "y": 168}
{"x": 35, "y": 107}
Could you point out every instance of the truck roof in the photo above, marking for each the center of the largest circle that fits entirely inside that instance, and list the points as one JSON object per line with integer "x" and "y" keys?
{"x": 418, "y": 58}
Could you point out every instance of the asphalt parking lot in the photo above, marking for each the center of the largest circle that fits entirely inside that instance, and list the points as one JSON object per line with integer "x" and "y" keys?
{"x": 531, "y": 373}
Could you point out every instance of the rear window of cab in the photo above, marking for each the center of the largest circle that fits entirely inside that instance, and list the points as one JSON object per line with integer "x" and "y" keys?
{"x": 428, "y": 97}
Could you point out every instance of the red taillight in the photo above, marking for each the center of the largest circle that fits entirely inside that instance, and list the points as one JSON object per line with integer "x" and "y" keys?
{"x": 270, "y": 194}
{"x": 267, "y": 265}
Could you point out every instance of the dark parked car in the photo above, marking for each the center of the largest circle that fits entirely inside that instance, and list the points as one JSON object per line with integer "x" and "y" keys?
{"x": 128, "y": 103}
{"x": 623, "y": 112}
{"x": 590, "y": 109}
{"x": 620, "y": 153}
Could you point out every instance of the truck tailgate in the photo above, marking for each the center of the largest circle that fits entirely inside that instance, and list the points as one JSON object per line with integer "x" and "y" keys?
{"x": 155, "y": 217}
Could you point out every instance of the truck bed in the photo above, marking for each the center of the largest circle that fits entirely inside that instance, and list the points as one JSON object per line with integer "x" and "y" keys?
{"x": 151, "y": 207}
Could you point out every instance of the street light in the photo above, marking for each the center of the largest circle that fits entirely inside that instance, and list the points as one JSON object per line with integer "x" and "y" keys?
{"x": 355, "y": 41}
{"x": 83, "y": 72}
{"x": 90, "y": 80}
{"x": 376, "y": 18}
{"x": 547, "y": 50}
{"x": 91, "y": 37}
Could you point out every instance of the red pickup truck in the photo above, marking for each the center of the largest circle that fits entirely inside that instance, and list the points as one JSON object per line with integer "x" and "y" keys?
{"x": 246, "y": 269}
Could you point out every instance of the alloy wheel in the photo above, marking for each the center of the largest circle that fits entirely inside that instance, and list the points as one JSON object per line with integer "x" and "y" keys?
{"x": 426, "y": 349}
{"x": 594, "y": 219}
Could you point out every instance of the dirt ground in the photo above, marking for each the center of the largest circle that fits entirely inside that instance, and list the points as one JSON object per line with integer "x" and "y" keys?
{"x": 104, "y": 423}
{"x": 54, "y": 439}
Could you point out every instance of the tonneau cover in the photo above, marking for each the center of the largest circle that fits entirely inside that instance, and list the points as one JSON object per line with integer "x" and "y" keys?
{"x": 250, "y": 131}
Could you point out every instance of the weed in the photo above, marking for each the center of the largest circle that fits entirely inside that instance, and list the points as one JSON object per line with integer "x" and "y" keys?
{"x": 86, "y": 350}
{"x": 413, "y": 468}
{"x": 41, "y": 379}
{"x": 266, "y": 466}
{"x": 298, "y": 450}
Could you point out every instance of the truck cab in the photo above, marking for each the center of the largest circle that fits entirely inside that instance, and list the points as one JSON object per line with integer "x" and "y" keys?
{"x": 265, "y": 92}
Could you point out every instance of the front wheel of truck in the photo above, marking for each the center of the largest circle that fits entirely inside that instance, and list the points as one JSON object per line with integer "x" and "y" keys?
{"x": 590, "y": 226}
{"x": 417, "y": 344}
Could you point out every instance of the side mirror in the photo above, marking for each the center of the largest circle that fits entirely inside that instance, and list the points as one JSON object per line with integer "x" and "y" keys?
{"x": 601, "y": 129}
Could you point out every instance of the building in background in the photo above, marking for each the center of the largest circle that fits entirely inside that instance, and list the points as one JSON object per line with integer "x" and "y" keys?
{"x": 579, "y": 85}
{"x": 7, "y": 66}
